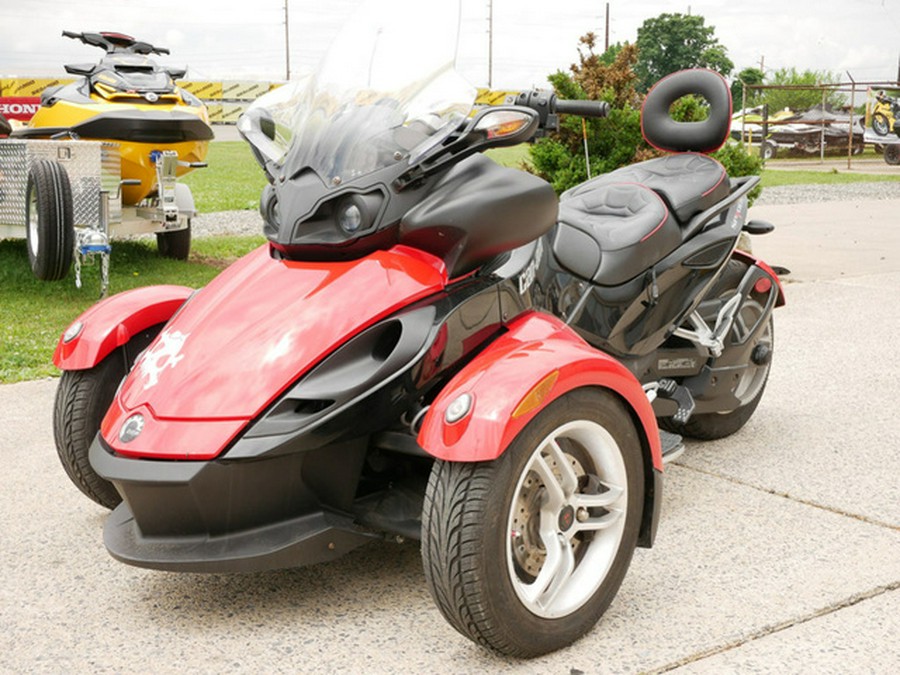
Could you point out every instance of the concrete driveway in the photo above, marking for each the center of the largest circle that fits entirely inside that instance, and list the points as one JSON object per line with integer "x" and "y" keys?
{"x": 779, "y": 550}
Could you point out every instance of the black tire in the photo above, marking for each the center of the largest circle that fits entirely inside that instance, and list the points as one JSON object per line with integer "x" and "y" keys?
{"x": 880, "y": 124}
{"x": 49, "y": 232}
{"x": 892, "y": 154}
{"x": 749, "y": 384}
{"x": 82, "y": 399}
{"x": 176, "y": 244}
{"x": 482, "y": 556}
{"x": 769, "y": 150}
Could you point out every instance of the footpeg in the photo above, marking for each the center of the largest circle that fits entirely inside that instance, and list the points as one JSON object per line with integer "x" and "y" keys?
{"x": 672, "y": 446}
{"x": 670, "y": 389}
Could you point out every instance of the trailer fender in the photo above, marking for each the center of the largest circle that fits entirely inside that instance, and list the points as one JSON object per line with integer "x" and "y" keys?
{"x": 482, "y": 409}
{"x": 184, "y": 200}
{"x": 112, "y": 322}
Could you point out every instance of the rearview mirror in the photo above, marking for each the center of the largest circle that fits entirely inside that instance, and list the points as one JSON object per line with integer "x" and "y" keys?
{"x": 258, "y": 128}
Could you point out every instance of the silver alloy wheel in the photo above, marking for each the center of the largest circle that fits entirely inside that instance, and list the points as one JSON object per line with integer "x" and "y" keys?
{"x": 753, "y": 377}
{"x": 566, "y": 519}
{"x": 33, "y": 230}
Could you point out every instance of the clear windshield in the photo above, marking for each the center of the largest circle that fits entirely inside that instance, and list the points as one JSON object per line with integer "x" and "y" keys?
{"x": 387, "y": 91}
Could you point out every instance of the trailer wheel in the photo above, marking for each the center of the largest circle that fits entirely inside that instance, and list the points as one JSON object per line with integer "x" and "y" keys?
{"x": 50, "y": 232}
{"x": 769, "y": 150}
{"x": 892, "y": 153}
{"x": 175, "y": 244}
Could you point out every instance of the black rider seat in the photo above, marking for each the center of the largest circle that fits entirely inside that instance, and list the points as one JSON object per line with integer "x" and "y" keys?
{"x": 688, "y": 182}
{"x": 615, "y": 226}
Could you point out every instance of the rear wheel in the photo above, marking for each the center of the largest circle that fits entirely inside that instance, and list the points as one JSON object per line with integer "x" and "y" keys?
{"x": 82, "y": 399}
{"x": 50, "y": 232}
{"x": 525, "y": 553}
{"x": 750, "y": 361}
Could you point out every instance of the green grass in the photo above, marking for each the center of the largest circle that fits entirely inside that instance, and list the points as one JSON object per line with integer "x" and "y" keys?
{"x": 34, "y": 313}
{"x": 778, "y": 177}
{"x": 233, "y": 180}
{"x": 513, "y": 156}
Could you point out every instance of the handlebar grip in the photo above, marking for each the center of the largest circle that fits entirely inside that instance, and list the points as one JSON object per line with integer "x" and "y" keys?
{"x": 70, "y": 34}
{"x": 583, "y": 108}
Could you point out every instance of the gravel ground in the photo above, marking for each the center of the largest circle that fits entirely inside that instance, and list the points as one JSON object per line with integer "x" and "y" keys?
{"x": 227, "y": 222}
{"x": 250, "y": 223}
{"x": 799, "y": 194}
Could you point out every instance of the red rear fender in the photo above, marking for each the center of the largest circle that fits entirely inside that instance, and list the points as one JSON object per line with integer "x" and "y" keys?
{"x": 537, "y": 361}
{"x": 752, "y": 260}
{"x": 112, "y": 322}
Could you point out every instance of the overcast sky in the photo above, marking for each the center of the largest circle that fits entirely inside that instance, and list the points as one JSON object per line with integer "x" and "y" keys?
{"x": 226, "y": 39}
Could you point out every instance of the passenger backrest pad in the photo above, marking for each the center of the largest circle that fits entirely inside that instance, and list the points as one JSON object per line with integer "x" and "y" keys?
{"x": 664, "y": 133}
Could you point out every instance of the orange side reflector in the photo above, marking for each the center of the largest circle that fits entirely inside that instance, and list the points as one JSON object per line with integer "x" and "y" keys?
{"x": 534, "y": 398}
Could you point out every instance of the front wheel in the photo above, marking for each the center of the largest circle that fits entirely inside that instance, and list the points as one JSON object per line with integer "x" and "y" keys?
{"x": 82, "y": 399}
{"x": 525, "y": 553}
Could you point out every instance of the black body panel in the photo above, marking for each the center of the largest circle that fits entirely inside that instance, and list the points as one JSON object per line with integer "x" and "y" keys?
{"x": 478, "y": 210}
{"x": 467, "y": 216}
{"x": 135, "y": 126}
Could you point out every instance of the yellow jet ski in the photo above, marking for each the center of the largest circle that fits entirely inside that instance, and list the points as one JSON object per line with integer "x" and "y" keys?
{"x": 126, "y": 98}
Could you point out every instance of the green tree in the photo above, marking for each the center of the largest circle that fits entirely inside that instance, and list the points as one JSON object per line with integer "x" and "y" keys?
{"x": 613, "y": 141}
{"x": 750, "y": 77}
{"x": 608, "y": 57}
{"x": 801, "y": 98}
{"x": 672, "y": 42}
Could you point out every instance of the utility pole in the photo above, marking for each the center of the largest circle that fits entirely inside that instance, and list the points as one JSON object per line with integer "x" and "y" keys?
{"x": 287, "y": 43}
{"x": 606, "y": 41}
{"x": 490, "y": 43}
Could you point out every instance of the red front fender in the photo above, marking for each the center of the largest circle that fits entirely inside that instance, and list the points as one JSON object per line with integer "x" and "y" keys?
{"x": 537, "y": 361}
{"x": 112, "y": 322}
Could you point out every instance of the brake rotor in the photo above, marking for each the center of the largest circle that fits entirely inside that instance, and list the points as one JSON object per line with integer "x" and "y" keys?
{"x": 528, "y": 548}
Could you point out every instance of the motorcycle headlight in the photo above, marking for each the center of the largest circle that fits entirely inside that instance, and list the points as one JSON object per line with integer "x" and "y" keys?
{"x": 350, "y": 217}
{"x": 358, "y": 212}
